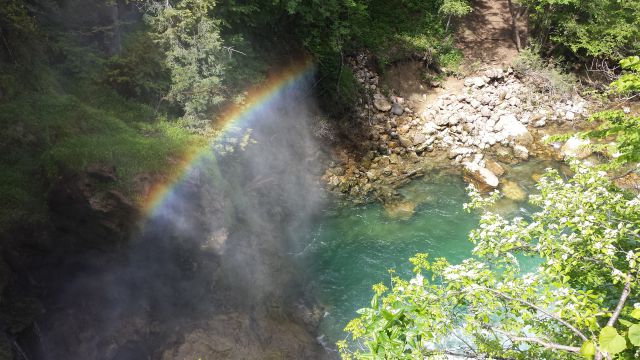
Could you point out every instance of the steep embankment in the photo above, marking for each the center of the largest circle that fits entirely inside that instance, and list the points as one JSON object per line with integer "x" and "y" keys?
{"x": 478, "y": 125}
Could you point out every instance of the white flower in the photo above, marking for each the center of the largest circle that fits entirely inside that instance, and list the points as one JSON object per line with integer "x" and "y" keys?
{"x": 418, "y": 280}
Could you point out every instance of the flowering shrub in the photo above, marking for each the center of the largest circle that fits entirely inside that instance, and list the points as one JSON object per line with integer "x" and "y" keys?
{"x": 581, "y": 302}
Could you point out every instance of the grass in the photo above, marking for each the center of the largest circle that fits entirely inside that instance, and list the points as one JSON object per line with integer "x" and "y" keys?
{"x": 43, "y": 134}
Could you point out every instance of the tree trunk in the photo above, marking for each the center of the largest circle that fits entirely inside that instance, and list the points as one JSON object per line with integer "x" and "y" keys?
{"x": 116, "y": 47}
{"x": 514, "y": 25}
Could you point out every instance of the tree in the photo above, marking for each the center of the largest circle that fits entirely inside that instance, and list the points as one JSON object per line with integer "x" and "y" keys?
{"x": 581, "y": 301}
{"x": 195, "y": 54}
{"x": 454, "y": 8}
{"x": 624, "y": 127}
{"x": 606, "y": 29}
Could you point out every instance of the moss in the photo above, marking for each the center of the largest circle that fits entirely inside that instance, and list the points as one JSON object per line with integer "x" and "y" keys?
{"x": 44, "y": 133}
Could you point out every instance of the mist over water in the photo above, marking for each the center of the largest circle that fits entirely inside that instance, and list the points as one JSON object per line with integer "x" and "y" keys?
{"x": 211, "y": 274}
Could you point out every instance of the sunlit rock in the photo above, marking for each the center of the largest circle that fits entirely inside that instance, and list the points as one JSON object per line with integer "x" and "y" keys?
{"x": 577, "y": 148}
{"x": 511, "y": 190}
{"x": 482, "y": 176}
{"x": 494, "y": 167}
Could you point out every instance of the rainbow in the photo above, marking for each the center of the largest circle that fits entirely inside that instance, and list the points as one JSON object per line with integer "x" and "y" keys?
{"x": 235, "y": 117}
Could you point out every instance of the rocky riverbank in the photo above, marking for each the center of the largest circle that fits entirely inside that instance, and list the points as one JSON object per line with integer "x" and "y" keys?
{"x": 494, "y": 119}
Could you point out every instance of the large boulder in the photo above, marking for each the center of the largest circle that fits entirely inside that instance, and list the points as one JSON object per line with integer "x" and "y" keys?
{"x": 577, "y": 148}
{"x": 481, "y": 176}
{"x": 381, "y": 103}
{"x": 494, "y": 167}
{"x": 512, "y": 129}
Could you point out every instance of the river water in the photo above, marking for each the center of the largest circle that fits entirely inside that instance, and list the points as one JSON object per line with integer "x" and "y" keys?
{"x": 350, "y": 248}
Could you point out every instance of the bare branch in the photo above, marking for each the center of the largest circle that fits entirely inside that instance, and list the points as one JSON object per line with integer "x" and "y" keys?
{"x": 545, "y": 343}
{"x": 623, "y": 298}
{"x": 555, "y": 317}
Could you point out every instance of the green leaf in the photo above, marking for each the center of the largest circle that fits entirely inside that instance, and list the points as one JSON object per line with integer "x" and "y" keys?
{"x": 611, "y": 341}
{"x": 634, "y": 334}
{"x": 636, "y": 313}
{"x": 625, "y": 322}
{"x": 588, "y": 349}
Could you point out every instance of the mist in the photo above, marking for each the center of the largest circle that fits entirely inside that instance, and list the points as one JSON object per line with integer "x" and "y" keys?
{"x": 211, "y": 274}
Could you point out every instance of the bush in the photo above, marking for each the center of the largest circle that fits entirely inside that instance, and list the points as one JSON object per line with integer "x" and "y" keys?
{"x": 544, "y": 74}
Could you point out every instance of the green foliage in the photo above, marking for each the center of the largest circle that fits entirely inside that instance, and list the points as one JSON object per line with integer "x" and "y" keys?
{"x": 547, "y": 75}
{"x": 332, "y": 30}
{"x": 194, "y": 54}
{"x": 607, "y": 29}
{"x": 46, "y": 133}
{"x": 455, "y": 7}
{"x": 629, "y": 82}
{"x": 139, "y": 71}
{"x": 625, "y": 128}
{"x": 586, "y": 237}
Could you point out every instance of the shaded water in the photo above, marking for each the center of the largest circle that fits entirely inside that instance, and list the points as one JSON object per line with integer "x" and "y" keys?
{"x": 352, "y": 247}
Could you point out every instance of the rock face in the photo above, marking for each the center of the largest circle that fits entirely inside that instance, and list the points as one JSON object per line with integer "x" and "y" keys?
{"x": 496, "y": 113}
{"x": 482, "y": 176}
{"x": 233, "y": 336}
{"x": 98, "y": 216}
{"x": 576, "y": 148}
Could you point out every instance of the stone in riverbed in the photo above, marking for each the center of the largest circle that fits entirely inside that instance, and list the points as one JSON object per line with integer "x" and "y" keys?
{"x": 397, "y": 109}
{"x": 494, "y": 167}
{"x": 418, "y": 138}
{"x": 520, "y": 152}
{"x": 400, "y": 210}
{"x": 381, "y": 104}
{"x": 480, "y": 175}
{"x": 512, "y": 129}
{"x": 404, "y": 141}
{"x": 430, "y": 128}
{"x": 577, "y": 148}
{"x": 513, "y": 191}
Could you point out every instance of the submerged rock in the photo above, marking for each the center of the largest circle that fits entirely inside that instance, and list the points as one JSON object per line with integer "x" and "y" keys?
{"x": 400, "y": 210}
{"x": 511, "y": 190}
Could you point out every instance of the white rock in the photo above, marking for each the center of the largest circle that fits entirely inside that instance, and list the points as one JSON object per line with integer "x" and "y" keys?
{"x": 430, "y": 128}
{"x": 481, "y": 174}
{"x": 570, "y": 115}
{"x": 577, "y": 148}
{"x": 520, "y": 152}
{"x": 512, "y": 129}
